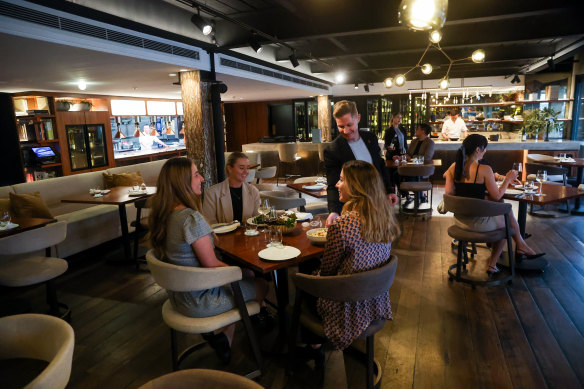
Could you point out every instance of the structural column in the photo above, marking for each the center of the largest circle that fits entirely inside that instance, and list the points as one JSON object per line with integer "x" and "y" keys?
{"x": 324, "y": 117}
{"x": 198, "y": 124}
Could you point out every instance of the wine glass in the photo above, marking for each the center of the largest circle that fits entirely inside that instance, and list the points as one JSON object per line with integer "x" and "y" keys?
{"x": 264, "y": 209}
{"x": 518, "y": 166}
{"x": 541, "y": 177}
{"x": 5, "y": 219}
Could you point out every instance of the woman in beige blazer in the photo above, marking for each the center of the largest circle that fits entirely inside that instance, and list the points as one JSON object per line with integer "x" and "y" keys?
{"x": 232, "y": 199}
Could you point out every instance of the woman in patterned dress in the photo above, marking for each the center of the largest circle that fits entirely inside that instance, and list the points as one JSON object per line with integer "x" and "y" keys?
{"x": 359, "y": 240}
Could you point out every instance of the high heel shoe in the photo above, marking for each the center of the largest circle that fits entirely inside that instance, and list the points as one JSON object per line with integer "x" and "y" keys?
{"x": 522, "y": 256}
{"x": 493, "y": 270}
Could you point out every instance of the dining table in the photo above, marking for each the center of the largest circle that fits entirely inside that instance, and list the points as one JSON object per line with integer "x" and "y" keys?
{"x": 25, "y": 224}
{"x": 301, "y": 188}
{"x": 578, "y": 163}
{"x": 120, "y": 196}
{"x": 551, "y": 194}
{"x": 244, "y": 251}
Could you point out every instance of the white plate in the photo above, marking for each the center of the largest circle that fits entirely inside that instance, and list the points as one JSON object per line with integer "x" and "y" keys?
{"x": 513, "y": 192}
{"x": 282, "y": 253}
{"x": 314, "y": 187}
{"x": 223, "y": 228}
{"x": 302, "y": 216}
{"x": 8, "y": 226}
{"x": 250, "y": 221}
{"x": 518, "y": 186}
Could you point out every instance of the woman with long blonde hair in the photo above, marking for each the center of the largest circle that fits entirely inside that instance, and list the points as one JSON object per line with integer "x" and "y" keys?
{"x": 359, "y": 240}
{"x": 180, "y": 235}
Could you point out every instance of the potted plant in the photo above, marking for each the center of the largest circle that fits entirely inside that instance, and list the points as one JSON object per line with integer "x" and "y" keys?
{"x": 85, "y": 105}
{"x": 63, "y": 105}
{"x": 551, "y": 119}
{"x": 534, "y": 122}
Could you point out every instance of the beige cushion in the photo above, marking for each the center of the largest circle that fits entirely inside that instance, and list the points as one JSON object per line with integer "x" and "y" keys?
{"x": 477, "y": 237}
{"x": 31, "y": 270}
{"x": 416, "y": 186}
{"x": 201, "y": 325}
{"x": 201, "y": 378}
{"x": 29, "y": 205}
{"x": 122, "y": 179}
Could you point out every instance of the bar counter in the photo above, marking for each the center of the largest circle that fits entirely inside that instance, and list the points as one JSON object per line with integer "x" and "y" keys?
{"x": 509, "y": 144}
{"x": 138, "y": 156}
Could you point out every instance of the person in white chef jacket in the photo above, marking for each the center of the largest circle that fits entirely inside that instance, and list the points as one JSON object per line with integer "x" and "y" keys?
{"x": 454, "y": 127}
{"x": 148, "y": 138}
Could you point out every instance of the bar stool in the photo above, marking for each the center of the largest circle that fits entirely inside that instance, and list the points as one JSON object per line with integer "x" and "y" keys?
{"x": 417, "y": 172}
{"x": 201, "y": 378}
{"x": 287, "y": 153}
{"x": 469, "y": 207}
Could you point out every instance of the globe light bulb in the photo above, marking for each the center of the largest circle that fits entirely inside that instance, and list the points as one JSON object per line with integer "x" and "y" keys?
{"x": 340, "y": 77}
{"x": 423, "y": 15}
{"x": 478, "y": 56}
{"x": 444, "y": 83}
{"x": 400, "y": 80}
{"x": 426, "y": 68}
{"x": 435, "y": 36}
{"x": 388, "y": 82}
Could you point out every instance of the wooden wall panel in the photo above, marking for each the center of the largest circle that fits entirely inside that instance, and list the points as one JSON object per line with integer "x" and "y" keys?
{"x": 257, "y": 121}
{"x": 236, "y": 127}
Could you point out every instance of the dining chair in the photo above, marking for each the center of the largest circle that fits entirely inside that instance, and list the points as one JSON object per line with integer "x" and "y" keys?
{"x": 41, "y": 337}
{"x": 21, "y": 264}
{"x": 348, "y": 288}
{"x": 187, "y": 279}
{"x": 251, "y": 175}
{"x": 265, "y": 172}
{"x": 469, "y": 207}
{"x": 287, "y": 153}
{"x": 276, "y": 199}
{"x": 416, "y": 173}
{"x": 284, "y": 191}
{"x": 201, "y": 378}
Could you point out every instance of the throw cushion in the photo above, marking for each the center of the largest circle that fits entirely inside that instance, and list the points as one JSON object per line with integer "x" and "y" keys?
{"x": 122, "y": 179}
{"x": 29, "y": 205}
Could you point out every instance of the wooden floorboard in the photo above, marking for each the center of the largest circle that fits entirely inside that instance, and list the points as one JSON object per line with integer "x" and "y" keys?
{"x": 443, "y": 335}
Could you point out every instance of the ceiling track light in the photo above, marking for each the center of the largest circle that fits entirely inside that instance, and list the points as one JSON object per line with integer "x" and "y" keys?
{"x": 366, "y": 87}
{"x": 356, "y": 86}
{"x": 254, "y": 44}
{"x": 294, "y": 59}
{"x": 516, "y": 79}
{"x": 202, "y": 24}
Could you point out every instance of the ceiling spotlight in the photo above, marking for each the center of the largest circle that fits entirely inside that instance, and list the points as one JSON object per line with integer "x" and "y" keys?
{"x": 516, "y": 79}
{"x": 254, "y": 44}
{"x": 423, "y": 15}
{"x": 171, "y": 74}
{"x": 81, "y": 84}
{"x": 366, "y": 87}
{"x": 356, "y": 86}
{"x": 203, "y": 25}
{"x": 399, "y": 80}
{"x": 388, "y": 82}
{"x": 340, "y": 77}
{"x": 444, "y": 83}
{"x": 478, "y": 56}
{"x": 294, "y": 59}
{"x": 426, "y": 68}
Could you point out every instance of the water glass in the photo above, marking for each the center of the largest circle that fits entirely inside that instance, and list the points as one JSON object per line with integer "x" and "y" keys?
{"x": 4, "y": 219}
{"x": 251, "y": 229}
{"x": 275, "y": 237}
{"x": 541, "y": 177}
{"x": 518, "y": 167}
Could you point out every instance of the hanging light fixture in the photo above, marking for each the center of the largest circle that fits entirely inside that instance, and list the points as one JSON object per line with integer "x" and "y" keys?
{"x": 444, "y": 83}
{"x": 366, "y": 87}
{"x": 356, "y": 86}
{"x": 294, "y": 59}
{"x": 203, "y": 25}
{"x": 426, "y": 68}
{"x": 435, "y": 36}
{"x": 399, "y": 80}
{"x": 388, "y": 82}
{"x": 478, "y": 56}
{"x": 423, "y": 15}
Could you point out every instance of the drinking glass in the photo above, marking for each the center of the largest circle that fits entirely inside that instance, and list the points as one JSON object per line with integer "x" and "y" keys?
{"x": 251, "y": 229}
{"x": 264, "y": 209}
{"x": 4, "y": 219}
{"x": 541, "y": 177}
{"x": 275, "y": 237}
{"x": 518, "y": 166}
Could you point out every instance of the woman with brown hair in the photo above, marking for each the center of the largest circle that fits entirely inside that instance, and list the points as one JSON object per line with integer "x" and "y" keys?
{"x": 360, "y": 239}
{"x": 180, "y": 235}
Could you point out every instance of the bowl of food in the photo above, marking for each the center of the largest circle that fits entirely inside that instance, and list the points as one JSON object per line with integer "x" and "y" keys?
{"x": 317, "y": 235}
{"x": 286, "y": 222}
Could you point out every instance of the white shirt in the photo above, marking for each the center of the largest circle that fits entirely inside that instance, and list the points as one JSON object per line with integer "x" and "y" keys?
{"x": 453, "y": 129}
{"x": 360, "y": 151}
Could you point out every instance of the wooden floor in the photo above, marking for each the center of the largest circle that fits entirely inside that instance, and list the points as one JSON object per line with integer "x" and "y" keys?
{"x": 444, "y": 334}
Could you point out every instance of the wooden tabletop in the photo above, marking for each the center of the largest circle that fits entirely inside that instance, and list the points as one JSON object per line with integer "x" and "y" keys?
{"x": 245, "y": 249}
{"x": 578, "y": 162}
{"x": 553, "y": 194}
{"x": 116, "y": 196}
{"x": 314, "y": 193}
{"x": 26, "y": 224}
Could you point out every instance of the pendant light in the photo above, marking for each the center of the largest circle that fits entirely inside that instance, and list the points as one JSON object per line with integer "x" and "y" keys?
{"x": 388, "y": 82}
{"x": 478, "y": 56}
{"x": 444, "y": 83}
{"x": 426, "y": 68}
{"x": 399, "y": 80}
{"x": 423, "y": 15}
{"x": 435, "y": 36}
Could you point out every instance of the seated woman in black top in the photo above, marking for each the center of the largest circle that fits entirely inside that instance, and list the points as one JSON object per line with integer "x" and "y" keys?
{"x": 467, "y": 177}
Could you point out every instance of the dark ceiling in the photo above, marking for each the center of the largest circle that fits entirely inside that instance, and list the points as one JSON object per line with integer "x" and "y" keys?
{"x": 364, "y": 38}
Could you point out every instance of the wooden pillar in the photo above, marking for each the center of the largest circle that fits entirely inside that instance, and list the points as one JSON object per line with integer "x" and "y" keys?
{"x": 198, "y": 124}
{"x": 324, "y": 117}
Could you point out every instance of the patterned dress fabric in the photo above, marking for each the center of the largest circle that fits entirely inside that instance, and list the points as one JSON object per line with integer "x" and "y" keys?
{"x": 346, "y": 253}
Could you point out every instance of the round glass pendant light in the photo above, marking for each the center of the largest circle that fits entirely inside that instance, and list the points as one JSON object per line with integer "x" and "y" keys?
{"x": 423, "y": 15}
{"x": 444, "y": 83}
{"x": 388, "y": 82}
{"x": 435, "y": 36}
{"x": 399, "y": 80}
{"x": 478, "y": 56}
{"x": 426, "y": 68}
